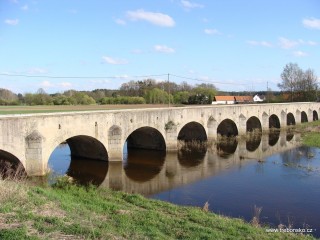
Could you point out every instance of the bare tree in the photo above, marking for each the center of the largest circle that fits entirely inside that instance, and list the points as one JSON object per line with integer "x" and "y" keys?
{"x": 310, "y": 83}
{"x": 291, "y": 76}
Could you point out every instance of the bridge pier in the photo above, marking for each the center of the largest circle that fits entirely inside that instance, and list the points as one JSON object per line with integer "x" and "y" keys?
{"x": 171, "y": 138}
{"x": 34, "y": 155}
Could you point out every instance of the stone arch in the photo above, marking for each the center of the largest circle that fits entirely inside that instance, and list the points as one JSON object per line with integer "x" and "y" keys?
{"x": 88, "y": 159}
{"x": 227, "y": 128}
{"x": 315, "y": 116}
{"x": 87, "y": 147}
{"x": 10, "y": 165}
{"x": 146, "y": 138}
{"x": 290, "y": 119}
{"x": 274, "y": 121}
{"x": 192, "y": 131}
{"x": 304, "y": 117}
{"x": 253, "y": 123}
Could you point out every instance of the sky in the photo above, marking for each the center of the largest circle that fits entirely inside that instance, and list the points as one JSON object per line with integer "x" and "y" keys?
{"x": 238, "y": 45}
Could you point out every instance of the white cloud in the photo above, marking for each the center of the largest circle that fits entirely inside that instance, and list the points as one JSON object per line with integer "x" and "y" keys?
{"x": 211, "y": 31}
{"x": 155, "y": 18}
{"x": 12, "y": 22}
{"x": 163, "y": 49}
{"x": 260, "y": 43}
{"x": 312, "y": 23}
{"x": 114, "y": 61}
{"x": 286, "y": 43}
{"x": 300, "y": 54}
{"x": 190, "y": 5}
{"x": 120, "y": 21}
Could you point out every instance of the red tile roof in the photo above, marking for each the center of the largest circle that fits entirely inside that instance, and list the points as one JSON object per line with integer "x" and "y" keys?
{"x": 243, "y": 98}
{"x": 224, "y": 98}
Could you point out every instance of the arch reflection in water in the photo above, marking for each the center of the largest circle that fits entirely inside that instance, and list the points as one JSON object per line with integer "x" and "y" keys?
{"x": 273, "y": 137}
{"x": 88, "y": 171}
{"x": 189, "y": 156}
{"x": 149, "y": 172}
{"x": 253, "y": 141}
{"x": 10, "y": 166}
{"x": 83, "y": 170}
{"x": 142, "y": 165}
{"x": 227, "y": 146}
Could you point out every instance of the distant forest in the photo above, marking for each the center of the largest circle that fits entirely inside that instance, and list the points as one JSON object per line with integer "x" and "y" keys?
{"x": 146, "y": 91}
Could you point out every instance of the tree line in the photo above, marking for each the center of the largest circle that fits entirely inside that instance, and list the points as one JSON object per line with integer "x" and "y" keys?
{"x": 296, "y": 85}
{"x": 147, "y": 91}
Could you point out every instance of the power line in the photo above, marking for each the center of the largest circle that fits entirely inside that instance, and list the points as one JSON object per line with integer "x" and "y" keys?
{"x": 118, "y": 77}
{"x": 78, "y": 77}
{"x": 208, "y": 81}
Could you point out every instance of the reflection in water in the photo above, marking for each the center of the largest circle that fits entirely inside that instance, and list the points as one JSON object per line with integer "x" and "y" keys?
{"x": 143, "y": 165}
{"x": 227, "y": 146}
{"x": 88, "y": 171}
{"x": 253, "y": 142}
{"x": 273, "y": 137}
{"x": 83, "y": 170}
{"x": 191, "y": 178}
{"x": 191, "y": 156}
{"x": 289, "y": 136}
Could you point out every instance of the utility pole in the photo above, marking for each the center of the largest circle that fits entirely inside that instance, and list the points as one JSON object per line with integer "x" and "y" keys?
{"x": 168, "y": 90}
{"x": 267, "y": 91}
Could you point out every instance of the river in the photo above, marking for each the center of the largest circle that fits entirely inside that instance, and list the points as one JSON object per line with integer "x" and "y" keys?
{"x": 274, "y": 174}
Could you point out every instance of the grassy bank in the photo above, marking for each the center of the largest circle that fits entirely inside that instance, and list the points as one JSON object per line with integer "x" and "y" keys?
{"x": 310, "y": 133}
{"x": 67, "y": 211}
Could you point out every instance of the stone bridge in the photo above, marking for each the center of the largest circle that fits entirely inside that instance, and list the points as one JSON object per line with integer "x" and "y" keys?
{"x": 30, "y": 139}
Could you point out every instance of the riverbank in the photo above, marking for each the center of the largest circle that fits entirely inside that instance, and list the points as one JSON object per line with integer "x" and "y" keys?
{"x": 67, "y": 211}
{"x": 310, "y": 133}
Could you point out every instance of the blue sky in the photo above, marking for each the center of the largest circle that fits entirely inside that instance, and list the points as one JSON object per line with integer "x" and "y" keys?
{"x": 235, "y": 44}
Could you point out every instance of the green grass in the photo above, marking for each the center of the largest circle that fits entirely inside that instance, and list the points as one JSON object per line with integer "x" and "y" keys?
{"x": 67, "y": 211}
{"x": 312, "y": 139}
{"x": 310, "y": 133}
